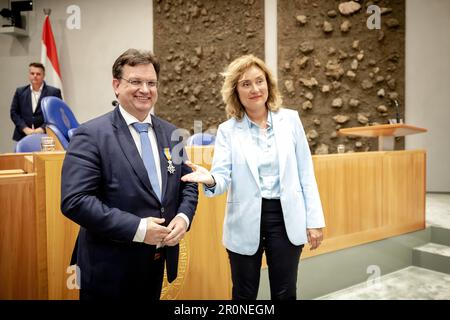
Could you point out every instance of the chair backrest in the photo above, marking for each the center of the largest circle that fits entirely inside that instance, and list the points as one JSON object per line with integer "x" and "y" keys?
{"x": 59, "y": 118}
{"x": 71, "y": 132}
{"x": 201, "y": 139}
{"x": 30, "y": 143}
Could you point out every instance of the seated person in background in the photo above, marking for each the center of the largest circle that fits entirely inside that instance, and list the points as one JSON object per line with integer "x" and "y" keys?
{"x": 26, "y": 110}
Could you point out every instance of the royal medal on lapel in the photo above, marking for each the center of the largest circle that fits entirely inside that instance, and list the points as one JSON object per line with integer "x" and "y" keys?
{"x": 170, "y": 167}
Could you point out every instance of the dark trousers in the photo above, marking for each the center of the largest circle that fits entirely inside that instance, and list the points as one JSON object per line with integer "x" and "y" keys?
{"x": 146, "y": 289}
{"x": 282, "y": 259}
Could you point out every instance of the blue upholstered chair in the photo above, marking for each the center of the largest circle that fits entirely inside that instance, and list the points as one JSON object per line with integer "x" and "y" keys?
{"x": 71, "y": 132}
{"x": 59, "y": 119}
{"x": 201, "y": 139}
{"x": 31, "y": 143}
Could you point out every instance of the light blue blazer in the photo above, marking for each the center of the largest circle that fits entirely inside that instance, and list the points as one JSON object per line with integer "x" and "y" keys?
{"x": 235, "y": 169}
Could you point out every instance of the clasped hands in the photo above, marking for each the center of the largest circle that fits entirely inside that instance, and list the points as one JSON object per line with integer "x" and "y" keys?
{"x": 158, "y": 234}
{"x": 29, "y": 131}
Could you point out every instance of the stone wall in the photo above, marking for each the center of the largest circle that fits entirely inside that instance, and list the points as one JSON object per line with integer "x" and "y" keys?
{"x": 332, "y": 69}
{"x": 337, "y": 72}
{"x": 195, "y": 40}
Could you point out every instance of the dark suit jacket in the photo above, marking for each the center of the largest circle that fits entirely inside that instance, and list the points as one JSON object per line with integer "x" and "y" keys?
{"x": 22, "y": 110}
{"x": 106, "y": 190}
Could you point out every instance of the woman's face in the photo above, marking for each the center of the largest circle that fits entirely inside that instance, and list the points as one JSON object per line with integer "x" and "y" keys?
{"x": 252, "y": 89}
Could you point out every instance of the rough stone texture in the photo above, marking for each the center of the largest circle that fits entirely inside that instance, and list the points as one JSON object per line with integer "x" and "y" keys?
{"x": 349, "y": 7}
{"x": 195, "y": 40}
{"x": 322, "y": 149}
{"x": 362, "y": 67}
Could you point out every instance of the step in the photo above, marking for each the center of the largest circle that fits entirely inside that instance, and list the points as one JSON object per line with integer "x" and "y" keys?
{"x": 440, "y": 235}
{"x": 433, "y": 256}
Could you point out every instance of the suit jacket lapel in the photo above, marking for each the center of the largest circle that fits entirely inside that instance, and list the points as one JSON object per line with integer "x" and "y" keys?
{"x": 130, "y": 150}
{"x": 163, "y": 142}
{"x": 28, "y": 101}
{"x": 247, "y": 148}
{"x": 282, "y": 139}
{"x": 43, "y": 94}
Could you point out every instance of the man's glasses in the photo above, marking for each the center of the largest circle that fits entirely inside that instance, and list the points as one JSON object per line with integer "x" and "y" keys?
{"x": 140, "y": 83}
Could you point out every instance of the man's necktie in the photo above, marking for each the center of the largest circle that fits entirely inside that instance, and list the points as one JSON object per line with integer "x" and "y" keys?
{"x": 147, "y": 156}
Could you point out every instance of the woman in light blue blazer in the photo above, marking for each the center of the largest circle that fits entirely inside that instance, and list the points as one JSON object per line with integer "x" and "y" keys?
{"x": 262, "y": 159}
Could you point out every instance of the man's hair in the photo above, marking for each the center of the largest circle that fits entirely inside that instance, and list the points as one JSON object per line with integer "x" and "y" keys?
{"x": 134, "y": 57}
{"x": 233, "y": 73}
{"x": 37, "y": 65}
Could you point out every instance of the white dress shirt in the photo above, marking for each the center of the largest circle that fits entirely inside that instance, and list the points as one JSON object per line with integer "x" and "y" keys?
{"x": 35, "y": 95}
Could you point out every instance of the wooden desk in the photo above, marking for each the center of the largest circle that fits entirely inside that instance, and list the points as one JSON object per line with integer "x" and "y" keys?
{"x": 35, "y": 239}
{"x": 56, "y": 234}
{"x": 366, "y": 197}
{"x": 18, "y": 265}
{"x": 385, "y": 133}
{"x": 12, "y": 161}
{"x": 11, "y": 171}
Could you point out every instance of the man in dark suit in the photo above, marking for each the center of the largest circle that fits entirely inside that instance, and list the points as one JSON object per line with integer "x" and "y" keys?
{"x": 26, "y": 110}
{"x": 122, "y": 186}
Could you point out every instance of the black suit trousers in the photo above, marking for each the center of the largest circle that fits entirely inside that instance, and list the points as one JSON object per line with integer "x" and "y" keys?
{"x": 151, "y": 292}
{"x": 282, "y": 259}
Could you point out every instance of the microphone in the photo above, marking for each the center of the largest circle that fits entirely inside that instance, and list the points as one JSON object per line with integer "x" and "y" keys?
{"x": 115, "y": 103}
{"x": 397, "y": 112}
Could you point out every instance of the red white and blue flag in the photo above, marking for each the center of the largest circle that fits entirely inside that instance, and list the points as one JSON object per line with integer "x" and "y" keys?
{"x": 49, "y": 56}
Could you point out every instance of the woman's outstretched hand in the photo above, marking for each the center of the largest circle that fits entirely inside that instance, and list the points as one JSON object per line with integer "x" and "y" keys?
{"x": 199, "y": 174}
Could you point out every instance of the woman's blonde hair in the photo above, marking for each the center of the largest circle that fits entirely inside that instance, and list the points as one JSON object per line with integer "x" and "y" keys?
{"x": 233, "y": 73}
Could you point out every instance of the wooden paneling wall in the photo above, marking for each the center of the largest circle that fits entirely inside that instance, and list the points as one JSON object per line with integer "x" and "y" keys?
{"x": 369, "y": 196}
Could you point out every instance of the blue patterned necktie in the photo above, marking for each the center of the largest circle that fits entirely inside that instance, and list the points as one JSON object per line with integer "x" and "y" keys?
{"x": 147, "y": 156}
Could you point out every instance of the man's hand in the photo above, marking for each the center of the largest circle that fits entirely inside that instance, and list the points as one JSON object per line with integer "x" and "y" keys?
{"x": 28, "y": 131}
{"x": 315, "y": 237}
{"x": 177, "y": 229}
{"x": 155, "y": 231}
{"x": 39, "y": 130}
